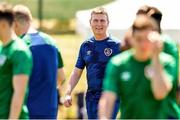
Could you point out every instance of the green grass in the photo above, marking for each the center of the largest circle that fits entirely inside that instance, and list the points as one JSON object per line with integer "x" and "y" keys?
{"x": 60, "y": 9}
{"x": 69, "y": 46}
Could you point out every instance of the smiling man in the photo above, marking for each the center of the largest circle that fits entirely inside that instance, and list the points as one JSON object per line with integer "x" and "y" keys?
{"x": 94, "y": 54}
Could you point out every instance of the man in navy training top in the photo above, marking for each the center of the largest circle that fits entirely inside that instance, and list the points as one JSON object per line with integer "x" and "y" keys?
{"x": 94, "y": 54}
{"x": 47, "y": 67}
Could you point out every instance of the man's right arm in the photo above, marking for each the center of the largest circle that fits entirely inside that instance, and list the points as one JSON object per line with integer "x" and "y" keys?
{"x": 75, "y": 76}
{"x": 106, "y": 104}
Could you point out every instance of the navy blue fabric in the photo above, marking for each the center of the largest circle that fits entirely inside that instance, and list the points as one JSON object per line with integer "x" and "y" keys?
{"x": 92, "y": 108}
{"x": 42, "y": 100}
{"x": 92, "y": 56}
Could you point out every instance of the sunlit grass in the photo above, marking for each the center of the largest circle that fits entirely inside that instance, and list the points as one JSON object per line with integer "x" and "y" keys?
{"x": 69, "y": 47}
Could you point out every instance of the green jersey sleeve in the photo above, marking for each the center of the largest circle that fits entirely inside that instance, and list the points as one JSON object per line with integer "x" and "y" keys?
{"x": 22, "y": 62}
{"x": 111, "y": 80}
{"x": 170, "y": 47}
{"x": 170, "y": 69}
{"x": 60, "y": 61}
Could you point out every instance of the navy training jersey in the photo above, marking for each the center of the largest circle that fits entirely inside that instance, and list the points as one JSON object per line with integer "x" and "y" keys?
{"x": 42, "y": 99}
{"x": 94, "y": 55}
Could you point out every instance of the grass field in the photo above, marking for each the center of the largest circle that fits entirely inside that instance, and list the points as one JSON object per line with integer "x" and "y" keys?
{"x": 69, "y": 46}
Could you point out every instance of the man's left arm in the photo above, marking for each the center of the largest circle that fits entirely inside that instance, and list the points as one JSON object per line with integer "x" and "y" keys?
{"x": 19, "y": 86}
{"x": 21, "y": 72}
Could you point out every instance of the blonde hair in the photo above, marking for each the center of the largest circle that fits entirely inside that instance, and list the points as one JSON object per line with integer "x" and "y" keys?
{"x": 22, "y": 13}
{"x": 99, "y": 10}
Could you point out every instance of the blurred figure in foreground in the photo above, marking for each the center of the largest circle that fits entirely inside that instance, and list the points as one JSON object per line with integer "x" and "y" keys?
{"x": 15, "y": 68}
{"x": 144, "y": 74}
{"x": 47, "y": 70}
{"x": 169, "y": 45}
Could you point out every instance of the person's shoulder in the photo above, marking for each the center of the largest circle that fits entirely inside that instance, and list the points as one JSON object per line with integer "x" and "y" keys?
{"x": 113, "y": 39}
{"x": 88, "y": 41}
{"x": 19, "y": 44}
{"x": 168, "y": 40}
{"x": 20, "y": 47}
{"x": 166, "y": 58}
{"x": 43, "y": 34}
{"x": 122, "y": 58}
{"x": 49, "y": 39}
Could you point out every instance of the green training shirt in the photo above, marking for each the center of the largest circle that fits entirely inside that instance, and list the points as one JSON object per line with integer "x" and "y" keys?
{"x": 171, "y": 48}
{"x": 127, "y": 78}
{"x": 15, "y": 58}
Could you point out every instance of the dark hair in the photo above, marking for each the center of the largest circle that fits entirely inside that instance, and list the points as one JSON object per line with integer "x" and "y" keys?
{"x": 151, "y": 12}
{"x": 6, "y": 13}
{"x": 143, "y": 22}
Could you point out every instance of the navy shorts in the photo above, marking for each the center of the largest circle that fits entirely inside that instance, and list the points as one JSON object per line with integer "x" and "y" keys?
{"x": 92, "y": 100}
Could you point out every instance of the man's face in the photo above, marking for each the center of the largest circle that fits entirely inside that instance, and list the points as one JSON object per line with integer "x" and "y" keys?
{"x": 99, "y": 24}
{"x": 141, "y": 43}
{"x": 17, "y": 28}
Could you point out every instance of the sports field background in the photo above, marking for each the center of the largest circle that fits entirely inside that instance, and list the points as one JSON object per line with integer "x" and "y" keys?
{"x": 63, "y": 13}
{"x": 69, "y": 45}
{"x": 59, "y": 18}
{"x": 59, "y": 15}
{"x": 59, "y": 9}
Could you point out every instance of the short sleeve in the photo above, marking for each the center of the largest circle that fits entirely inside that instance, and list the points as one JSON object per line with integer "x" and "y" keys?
{"x": 22, "y": 62}
{"x": 60, "y": 61}
{"x": 170, "y": 70}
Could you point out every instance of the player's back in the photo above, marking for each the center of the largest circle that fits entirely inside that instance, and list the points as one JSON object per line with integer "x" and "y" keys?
{"x": 42, "y": 99}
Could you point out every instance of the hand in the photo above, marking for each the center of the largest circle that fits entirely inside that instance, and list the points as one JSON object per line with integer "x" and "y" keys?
{"x": 67, "y": 101}
{"x": 156, "y": 41}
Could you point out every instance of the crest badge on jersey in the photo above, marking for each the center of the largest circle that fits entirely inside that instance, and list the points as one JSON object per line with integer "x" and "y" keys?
{"x": 108, "y": 51}
{"x": 125, "y": 76}
{"x": 2, "y": 59}
{"x": 89, "y": 52}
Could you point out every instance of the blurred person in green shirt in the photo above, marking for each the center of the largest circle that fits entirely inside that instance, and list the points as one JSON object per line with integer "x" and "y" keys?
{"x": 15, "y": 68}
{"x": 169, "y": 46}
{"x": 144, "y": 78}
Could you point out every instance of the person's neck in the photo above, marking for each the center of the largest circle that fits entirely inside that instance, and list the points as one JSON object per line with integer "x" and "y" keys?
{"x": 100, "y": 37}
{"x": 24, "y": 29}
{"x": 6, "y": 38}
{"x": 28, "y": 28}
{"x": 139, "y": 56}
